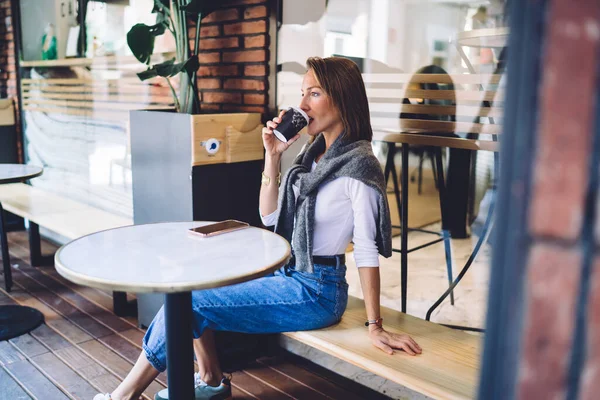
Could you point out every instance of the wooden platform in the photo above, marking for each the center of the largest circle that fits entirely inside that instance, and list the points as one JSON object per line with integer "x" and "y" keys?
{"x": 83, "y": 348}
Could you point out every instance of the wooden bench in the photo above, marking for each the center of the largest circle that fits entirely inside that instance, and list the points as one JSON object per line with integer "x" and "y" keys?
{"x": 448, "y": 368}
{"x": 63, "y": 216}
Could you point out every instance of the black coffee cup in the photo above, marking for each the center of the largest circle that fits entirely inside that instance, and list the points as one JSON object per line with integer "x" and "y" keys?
{"x": 292, "y": 122}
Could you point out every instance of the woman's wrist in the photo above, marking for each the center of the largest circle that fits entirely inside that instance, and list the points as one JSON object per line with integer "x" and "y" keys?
{"x": 272, "y": 160}
{"x": 375, "y": 328}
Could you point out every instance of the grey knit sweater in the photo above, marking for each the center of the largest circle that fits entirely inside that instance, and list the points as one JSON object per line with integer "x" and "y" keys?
{"x": 343, "y": 158}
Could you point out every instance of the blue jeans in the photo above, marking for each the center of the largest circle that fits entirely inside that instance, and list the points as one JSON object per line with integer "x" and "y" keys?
{"x": 285, "y": 301}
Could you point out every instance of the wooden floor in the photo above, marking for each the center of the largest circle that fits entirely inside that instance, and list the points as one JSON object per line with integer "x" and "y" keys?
{"x": 83, "y": 348}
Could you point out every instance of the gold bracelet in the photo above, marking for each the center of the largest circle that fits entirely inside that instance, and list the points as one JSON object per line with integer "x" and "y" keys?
{"x": 266, "y": 180}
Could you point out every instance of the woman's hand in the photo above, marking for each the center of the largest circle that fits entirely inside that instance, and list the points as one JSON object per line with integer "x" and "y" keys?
{"x": 388, "y": 341}
{"x": 274, "y": 146}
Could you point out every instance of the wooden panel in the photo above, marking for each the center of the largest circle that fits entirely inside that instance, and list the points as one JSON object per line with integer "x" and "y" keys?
{"x": 292, "y": 79}
{"x": 424, "y": 140}
{"x": 88, "y": 369}
{"x": 114, "y": 62}
{"x": 8, "y": 354}
{"x": 73, "y": 357}
{"x": 68, "y": 330}
{"x": 94, "y": 105}
{"x": 121, "y": 116}
{"x": 484, "y": 79}
{"x": 285, "y": 383}
{"x": 244, "y": 146}
{"x": 80, "y": 319}
{"x": 94, "y": 295}
{"x": 134, "y": 335}
{"x": 29, "y": 346}
{"x": 458, "y": 111}
{"x": 448, "y": 367}
{"x": 209, "y": 126}
{"x": 103, "y": 315}
{"x": 101, "y": 82}
{"x": 10, "y": 388}
{"x": 303, "y": 377}
{"x": 449, "y": 127}
{"x": 65, "y": 377}
{"x": 48, "y": 336}
{"x": 76, "y": 360}
{"x": 114, "y": 363}
{"x": 140, "y": 97}
{"x": 35, "y": 381}
{"x": 96, "y": 88}
{"x": 386, "y": 95}
{"x": 258, "y": 389}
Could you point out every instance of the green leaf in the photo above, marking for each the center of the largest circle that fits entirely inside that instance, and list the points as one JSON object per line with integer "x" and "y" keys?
{"x": 149, "y": 73}
{"x": 160, "y": 28}
{"x": 191, "y": 65}
{"x": 140, "y": 40}
{"x": 162, "y": 11}
{"x": 168, "y": 68}
{"x": 201, "y": 7}
{"x": 162, "y": 7}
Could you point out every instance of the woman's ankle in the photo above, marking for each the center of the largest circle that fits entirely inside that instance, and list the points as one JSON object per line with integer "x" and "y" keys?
{"x": 212, "y": 379}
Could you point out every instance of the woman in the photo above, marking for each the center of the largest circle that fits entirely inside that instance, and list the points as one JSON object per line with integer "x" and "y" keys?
{"x": 333, "y": 193}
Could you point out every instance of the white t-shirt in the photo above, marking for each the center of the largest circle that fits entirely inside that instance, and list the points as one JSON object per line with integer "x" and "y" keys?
{"x": 346, "y": 210}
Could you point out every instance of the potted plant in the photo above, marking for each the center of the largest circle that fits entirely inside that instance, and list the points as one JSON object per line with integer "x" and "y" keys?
{"x": 188, "y": 165}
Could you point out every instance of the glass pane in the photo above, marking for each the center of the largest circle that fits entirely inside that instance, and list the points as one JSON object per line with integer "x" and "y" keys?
{"x": 107, "y": 25}
{"x": 433, "y": 69}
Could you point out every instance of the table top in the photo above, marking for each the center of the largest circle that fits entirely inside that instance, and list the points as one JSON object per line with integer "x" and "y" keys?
{"x": 489, "y": 38}
{"x": 11, "y": 173}
{"x": 166, "y": 258}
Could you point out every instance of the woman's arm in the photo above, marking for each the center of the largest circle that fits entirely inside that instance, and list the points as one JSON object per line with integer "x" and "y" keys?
{"x": 386, "y": 341}
{"x": 267, "y": 202}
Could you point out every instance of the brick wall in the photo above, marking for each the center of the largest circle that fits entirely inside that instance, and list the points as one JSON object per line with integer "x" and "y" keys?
{"x": 8, "y": 68}
{"x": 8, "y": 77}
{"x": 560, "y": 213}
{"x": 234, "y": 57}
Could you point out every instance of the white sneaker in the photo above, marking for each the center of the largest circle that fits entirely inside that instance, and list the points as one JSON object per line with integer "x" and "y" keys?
{"x": 202, "y": 391}
{"x": 101, "y": 396}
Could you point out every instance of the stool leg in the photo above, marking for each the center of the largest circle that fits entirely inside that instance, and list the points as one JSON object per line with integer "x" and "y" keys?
{"x": 5, "y": 255}
{"x": 433, "y": 169}
{"x": 448, "y": 251}
{"x": 404, "y": 227}
{"x": 390, "y": 167}
{"x": 443, "y": 206}
{"x": 421, "y": 158}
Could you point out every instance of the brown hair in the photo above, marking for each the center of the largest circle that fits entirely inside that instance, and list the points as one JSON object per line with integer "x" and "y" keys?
{"x": 341, "y": 80}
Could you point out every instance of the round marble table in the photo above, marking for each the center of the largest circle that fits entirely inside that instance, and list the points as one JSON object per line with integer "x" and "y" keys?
{"x": 15, "y": 320}
{"x": 166, "y": 258}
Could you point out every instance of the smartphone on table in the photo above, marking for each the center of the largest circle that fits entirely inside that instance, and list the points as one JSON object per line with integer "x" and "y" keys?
{"x": 218, "y": 228}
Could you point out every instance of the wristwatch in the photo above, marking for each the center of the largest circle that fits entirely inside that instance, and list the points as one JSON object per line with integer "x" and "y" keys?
{"x": 266, "y": 180}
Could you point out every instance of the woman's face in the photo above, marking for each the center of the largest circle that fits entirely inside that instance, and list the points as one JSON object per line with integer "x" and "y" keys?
{"x": 323, "y": 115}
